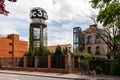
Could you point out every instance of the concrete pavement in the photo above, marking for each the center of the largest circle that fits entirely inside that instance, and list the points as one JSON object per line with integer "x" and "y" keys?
{"x": 74, "y": 76}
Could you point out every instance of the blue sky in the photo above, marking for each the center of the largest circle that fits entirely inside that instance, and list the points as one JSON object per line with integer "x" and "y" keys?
{"x": 63, "y": 15}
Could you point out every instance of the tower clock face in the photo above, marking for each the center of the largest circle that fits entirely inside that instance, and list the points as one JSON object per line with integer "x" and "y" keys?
{"x": 38, "y": 13}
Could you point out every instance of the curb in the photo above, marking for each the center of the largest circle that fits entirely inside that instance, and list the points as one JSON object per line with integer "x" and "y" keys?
{"x": 41, "y": 75}
{"x": 60, "y": 77}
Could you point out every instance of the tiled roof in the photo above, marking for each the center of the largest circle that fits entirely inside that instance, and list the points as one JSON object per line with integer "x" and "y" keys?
{"x": 92, "y": 29}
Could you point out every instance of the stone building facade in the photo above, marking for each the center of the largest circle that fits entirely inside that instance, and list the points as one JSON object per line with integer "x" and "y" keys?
{"x": 93, "y": 43}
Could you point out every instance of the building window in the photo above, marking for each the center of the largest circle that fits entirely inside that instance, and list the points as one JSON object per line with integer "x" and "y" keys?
{"x": 97, "y": 39}
{"x": 10, "y": 52}
{"x": 10, "y": 44}
{"x": 89, "y": 40}
{"x": 89, "y": 50}
{"x": 36, "y": 33}
{"x": 76, "y": 37}
{"x": 36, "y": 44}
{"x": 74, "y": 30}
{"x": 97, "y": 50}
{"x": 76, "y": 48}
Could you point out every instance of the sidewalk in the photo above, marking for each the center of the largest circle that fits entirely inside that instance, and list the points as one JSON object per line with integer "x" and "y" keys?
{"x": 74, "y": 76}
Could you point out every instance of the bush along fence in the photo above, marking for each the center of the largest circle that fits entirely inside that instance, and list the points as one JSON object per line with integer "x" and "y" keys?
{"x": 40, "y": 63}
{"x": 105, "y": 66}
{"x": 60, "y": 64}
{"x": 100, "y": 66}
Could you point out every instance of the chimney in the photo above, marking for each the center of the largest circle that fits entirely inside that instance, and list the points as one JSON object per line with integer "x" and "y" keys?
{"x": 93, "y": 25}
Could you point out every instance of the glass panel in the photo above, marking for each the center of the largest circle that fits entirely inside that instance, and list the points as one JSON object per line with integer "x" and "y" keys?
{"x": 36, "y": 33}
{"x": 76, "y": 37}
{"x": 74, "y": 30}
{"x": 36, "y": 43}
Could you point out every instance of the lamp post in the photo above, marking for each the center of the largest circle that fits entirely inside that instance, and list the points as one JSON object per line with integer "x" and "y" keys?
{"x": 69, "y": 59}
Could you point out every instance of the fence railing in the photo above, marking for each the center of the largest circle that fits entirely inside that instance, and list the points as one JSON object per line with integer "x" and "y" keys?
{"x": 37, "y": 63}
{"x": 42, "y": 63}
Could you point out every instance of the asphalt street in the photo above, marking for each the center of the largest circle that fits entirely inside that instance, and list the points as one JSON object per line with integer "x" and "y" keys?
{"x": 4, "y": 76}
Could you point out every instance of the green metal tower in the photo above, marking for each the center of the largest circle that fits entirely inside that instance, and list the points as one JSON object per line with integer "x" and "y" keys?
{"x": 38, "y": 27}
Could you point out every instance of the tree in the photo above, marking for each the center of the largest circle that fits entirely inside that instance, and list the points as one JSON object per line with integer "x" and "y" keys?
{"x": 58, "y": 51}
{"x": 2, "y": 7}
{"x": 109, "y": 17}
{"x": 65, "y": 51}
{"x": 84, "y": 61}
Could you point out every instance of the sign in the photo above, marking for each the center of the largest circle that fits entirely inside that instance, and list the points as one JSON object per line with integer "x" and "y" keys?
{"x": 38, "y": 13}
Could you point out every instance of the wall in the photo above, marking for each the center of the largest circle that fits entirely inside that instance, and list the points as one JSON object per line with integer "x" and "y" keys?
{"x": 93, "y": 45}
{"x": 11, "y": 46}
{"x": 15, "y": 66}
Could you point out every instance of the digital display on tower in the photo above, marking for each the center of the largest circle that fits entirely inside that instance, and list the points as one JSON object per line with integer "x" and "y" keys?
{"x": 38, "y": 13}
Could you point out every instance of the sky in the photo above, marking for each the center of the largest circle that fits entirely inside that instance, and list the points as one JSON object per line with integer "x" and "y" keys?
{"x": 63, "y": 16}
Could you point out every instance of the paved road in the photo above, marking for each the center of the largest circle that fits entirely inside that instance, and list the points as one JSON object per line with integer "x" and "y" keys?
{"x": 4, "y": 76}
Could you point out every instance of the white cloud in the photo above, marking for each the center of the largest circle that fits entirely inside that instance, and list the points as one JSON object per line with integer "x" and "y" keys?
{"x": 7, "y": 29}
{"x": 65, "y": 9}
{"x": 59, "y": 11}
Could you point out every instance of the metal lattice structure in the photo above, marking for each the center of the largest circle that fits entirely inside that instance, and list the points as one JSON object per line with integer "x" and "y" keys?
{"x": 38, "y": 28}
{"x": 2, "y": 7}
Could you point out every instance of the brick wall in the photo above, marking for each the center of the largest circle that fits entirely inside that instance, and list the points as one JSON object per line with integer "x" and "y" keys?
{"x": 36, "y": 68}
{"x": 11, "y": 46}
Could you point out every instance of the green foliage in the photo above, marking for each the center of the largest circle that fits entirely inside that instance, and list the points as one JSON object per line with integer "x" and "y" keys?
{"x": 116, "y": 69}
{"x": 102, "y": 3}
{"x": 21, "y": 62}
{"x": 84, "y": 61}
{"x": 108, "y": 67}
{"x": 42, "y": 51}
{"x": 86, "y": 56}
{"x": 109, "y": 17}
{"x": 58, "y": 51}
{"x": 110, "y": 14}
{"x": 65, "y": 51}
{"x": 117, "y": 37}
{"x": 31, "y": 39}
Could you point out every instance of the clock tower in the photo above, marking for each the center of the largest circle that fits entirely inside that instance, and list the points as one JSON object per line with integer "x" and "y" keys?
{"x": 38, "y": 28}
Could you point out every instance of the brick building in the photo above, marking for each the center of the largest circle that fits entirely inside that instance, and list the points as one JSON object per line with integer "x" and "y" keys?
{"x": 11, "y": 46}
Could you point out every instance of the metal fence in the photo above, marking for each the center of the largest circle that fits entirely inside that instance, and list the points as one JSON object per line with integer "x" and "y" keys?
{"x": 76, "y": 63}
{"x": 10, "y": 62}
{"x": 30, "y": 61}
{"x": 43, "y": 62}
{"x": 58, "y": 62}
